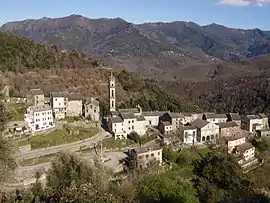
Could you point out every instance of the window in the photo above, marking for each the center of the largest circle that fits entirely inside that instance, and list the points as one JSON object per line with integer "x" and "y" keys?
{"x": 129, "y": 128}
{"x": 55, "y": 99}
{"x": 147, "y": 156}
{"x": 132, "y": 127}
{"x": 129, "y": 122}
{"x": 152, "y": 155}
{"x": 112, "y": 93}
{"x": 158, "y": 153}
{"x": 59, "y": 104}
{"x": 112, "y": 104}
{"x": 132, "y": 121}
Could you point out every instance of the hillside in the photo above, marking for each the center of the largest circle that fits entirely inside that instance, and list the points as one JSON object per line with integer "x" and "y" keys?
{"x": 26, "y": 64}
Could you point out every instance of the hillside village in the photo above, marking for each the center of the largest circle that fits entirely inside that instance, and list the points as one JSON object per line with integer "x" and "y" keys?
{"x": 177, "y": 130}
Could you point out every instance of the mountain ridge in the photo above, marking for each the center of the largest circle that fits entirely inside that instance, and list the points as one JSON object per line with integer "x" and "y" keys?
{"x": 150, "y": 49}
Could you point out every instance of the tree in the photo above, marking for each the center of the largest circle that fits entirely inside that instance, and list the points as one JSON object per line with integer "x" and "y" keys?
{"x": 165, "y": 187}
{"x": 70, "y": 176}
{"x": 219, "y": 177}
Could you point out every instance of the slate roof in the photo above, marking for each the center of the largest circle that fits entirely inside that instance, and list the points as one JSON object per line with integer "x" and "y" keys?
{"x": 92, "y": 101}
{"x": 199, "y": 123}
{"x": 128, "y": 115}
{"x": 227, "y": 124}
{"x": 244, "y": 147}
{"x": 116, "y": 119}
{"x": 262, "y": 115}
{"x": 166, "y": 123}
{"x": 36, "y": 91}
{"x": 153, "y": 113}
{"x": 188, "y": 127}
{"x": 41, "y": 108}
{"x": 236, "y": 137}
{"x": 235, "y": 116}
{"x": 74, "y": 97}
{"x": 214, "y": 115}
{"x": 132, "y": 110}
{"x": 58, "y": 94}
{"x": 140, "y": 118}
{"x": 253, "y": 117}
{"x": 147, "y": 149}
{"x": 175, "y": 115}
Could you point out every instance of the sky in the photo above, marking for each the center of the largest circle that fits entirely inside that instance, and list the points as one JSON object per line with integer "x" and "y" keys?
{"x": 244, "y": 14}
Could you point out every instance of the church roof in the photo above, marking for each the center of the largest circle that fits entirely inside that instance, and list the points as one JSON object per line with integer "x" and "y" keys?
{"x": 199, "y": 123}
{"x": 116, "y": 119}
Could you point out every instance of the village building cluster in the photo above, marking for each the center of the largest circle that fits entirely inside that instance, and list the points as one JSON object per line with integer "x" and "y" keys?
{"x": 189, "y": 128}
{"x": 43, "y": 112}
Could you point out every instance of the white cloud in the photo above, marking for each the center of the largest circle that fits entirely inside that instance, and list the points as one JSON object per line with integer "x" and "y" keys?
{"x": 244, "y": 2}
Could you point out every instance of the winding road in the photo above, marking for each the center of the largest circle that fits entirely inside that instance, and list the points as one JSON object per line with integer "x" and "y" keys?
{"x": 71, "y": 147}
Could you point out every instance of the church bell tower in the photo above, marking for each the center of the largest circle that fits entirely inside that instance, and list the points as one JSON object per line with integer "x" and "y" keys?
{"x": 112, "y": 93}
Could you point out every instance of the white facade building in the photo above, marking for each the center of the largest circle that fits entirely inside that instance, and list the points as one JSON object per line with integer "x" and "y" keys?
{"x": 59, "y": 104}
{"x": 234, "y": 141}
{"x": 39, "y": 118}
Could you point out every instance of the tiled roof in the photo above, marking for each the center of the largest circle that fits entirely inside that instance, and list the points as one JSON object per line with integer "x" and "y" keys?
{"x": 41, "y": 108}
{"x": 116, "y": 119}
{"x": 147, "y": 149}
{"x": 58, "y": 94}
{"x": 199, "y": 123}
{"x": 227, "y": 124}
{"x": 244, "y": 147}
{"x": 36, "y": 91}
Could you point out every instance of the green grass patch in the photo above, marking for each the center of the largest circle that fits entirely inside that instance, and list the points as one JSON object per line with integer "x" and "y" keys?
{"x": 118, "y": 144}
{"x": 38, "y": 160}
{"x": 59, "y": 137}
{"x": 72, "y": 119}
{"x": 22, "y": 143}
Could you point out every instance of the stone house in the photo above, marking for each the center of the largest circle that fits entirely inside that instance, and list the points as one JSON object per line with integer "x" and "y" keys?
{"x": 233, "y": 141}
{"x": 35, "y": 97}
{"x": 265, "y": 121}
{"x": 214, "y": 118}
{"x": 173, "y": 118}
{"x": 152, "y": 117}
{"x": 146, "y": 156}
{"x": 165, "y": 127}
{"x": 74, "y": 105}
{"x": 234, "y": 117}
{"x": 92, "y": 110}
{"x": 264, "y": 132}
{"x": 188, "y": 134}
{"x": 229, "y": 128}
{"x": 252, "y": 123}
{"x": 206, "y": 131}
{"x": 59, "y": 104}
{"x": 246, "y": 151}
